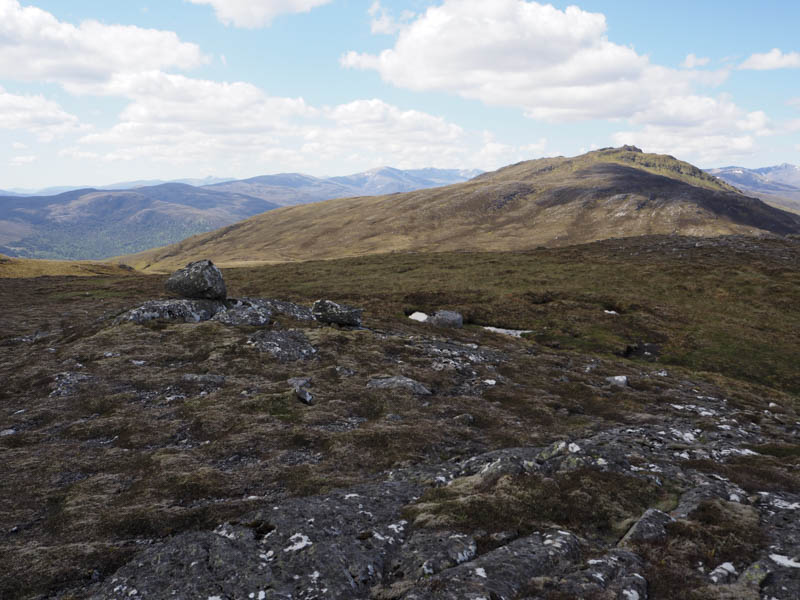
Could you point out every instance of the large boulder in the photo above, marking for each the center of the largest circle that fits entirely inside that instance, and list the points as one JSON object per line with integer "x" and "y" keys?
{"x": 326, "y": 311}
{"x": 246, "y": 311}
{"x": 199, "y": 280}
{"x": 446, "y": 318}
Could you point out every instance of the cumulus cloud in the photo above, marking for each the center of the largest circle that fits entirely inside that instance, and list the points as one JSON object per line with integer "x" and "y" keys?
{"x": 691, "y": 61}
{"x": 698, "y": 128}
{"x": 237, "y": 127}
{"x": 34, "y": 113}
{"x": 35, "y": 46}
{"x": 251, "y": 14}
{"x": 774, "y": 59}
{"x": 554, "y": 64}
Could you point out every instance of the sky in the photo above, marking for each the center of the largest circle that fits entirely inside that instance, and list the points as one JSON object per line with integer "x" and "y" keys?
{"x": 94, "y": 92}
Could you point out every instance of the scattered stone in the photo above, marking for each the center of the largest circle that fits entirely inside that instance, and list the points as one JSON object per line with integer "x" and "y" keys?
{"x": 418, "y": 316}
{"x": 512, "y": 332}
{"x": 199, "y": 280}
{"x": 651, "y": 527}
{"x": 6, "y": 432}
{"x": 326, "y": 311}
{"x": 724, "y": 573}
{"x": 204, "y": 379}
{"x": 299, "y": 382}
{"x": 398, "y": 382}
{"x": 618, "y": 380}
{"x": 67, "y": 383}
{"x": 174, "y": 311}
{"x": 446, "y": 318}
{"x": 286, "y": 346}
{"x": 465, "y": 419}
{"x": 304, "y": 396}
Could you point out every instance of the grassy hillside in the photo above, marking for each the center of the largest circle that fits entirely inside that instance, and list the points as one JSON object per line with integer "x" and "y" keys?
{"x": 29, "y": 267}
{"x": 125, "y": 437}
{"x": 548, "y": 202}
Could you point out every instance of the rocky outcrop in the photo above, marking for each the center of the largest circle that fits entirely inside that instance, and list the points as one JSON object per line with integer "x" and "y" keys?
{"x": 398, "y": 382}
{"x": 174, "y": 311}
{"x": 199, "y": 280}
{"x": 245, "y": 311}
{"x": 285, "y": 346}
{"x": 331, "y": 313}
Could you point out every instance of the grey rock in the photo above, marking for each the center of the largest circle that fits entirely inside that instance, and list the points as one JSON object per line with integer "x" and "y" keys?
{"x": 285, "y": 346}
{"x": 428, "y": 553}
{"x": 398, "y": 382}
{"x": 244, "y": 312}
{"x": 282, "y": 307}
{"x": 618, "y": 380}
{"x": 6, "y": 432}
{"x": 174, "y": 311}
{"x": 651, "y": 527}
{"x": 465, "y": 419}
{"x": 67, "y": 383}
{"x": 446, "y": 318}
{"x": 199, "y": 280}
{"x": 724, "y": 573}
{"x": 333, "y": 546}
{"x": 299, "y": 382}
{"x": 504, "y": 572}
{"x": 205, "y": 379}
{"x": 304, "y": 396}
{"x": 326, "y": 311}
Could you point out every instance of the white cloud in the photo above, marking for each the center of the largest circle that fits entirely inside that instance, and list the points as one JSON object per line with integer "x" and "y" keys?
{"x": 35, "y": 46}
{"x": 251, "y": 14}
{"x": 34, "y": 113}
{"x": 19, "y": 161}
{"x": 691, "y": 61}
{"x": 237, "y": 128}
{"x": 555, "y": 65}
{"x": 384, "y": 22}
{"x": 793, "y": 125}
{"x": 795, "y": 102}
{"x": 698, "y": 128}
{"x": 19, "y": 146}
{"x": 774, "y": 59}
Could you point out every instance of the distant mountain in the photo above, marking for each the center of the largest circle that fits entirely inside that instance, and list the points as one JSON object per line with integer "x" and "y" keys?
{"x": 771, "y": 184}
{"x": 785, "y": 173}
{"x": 95, "y": 224}
{"x": 287, "y": 189}
{"x": 607, "y": 193}
{"x": 125, "y": 185}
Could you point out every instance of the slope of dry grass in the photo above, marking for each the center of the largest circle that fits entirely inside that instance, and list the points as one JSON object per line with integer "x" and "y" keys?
{"x": 548, "y": 202}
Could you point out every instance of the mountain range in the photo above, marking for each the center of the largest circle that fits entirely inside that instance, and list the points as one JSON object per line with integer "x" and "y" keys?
{"x": 100, "y": 223}
{"x": 778, "y": 185}
{"x": 612, "y": 192}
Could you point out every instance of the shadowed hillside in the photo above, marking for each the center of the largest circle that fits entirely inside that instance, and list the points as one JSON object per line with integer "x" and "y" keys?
{"x": 549, "y": 202}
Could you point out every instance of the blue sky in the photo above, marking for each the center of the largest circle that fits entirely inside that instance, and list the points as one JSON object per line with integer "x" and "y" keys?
{"x": 95, "y": 92}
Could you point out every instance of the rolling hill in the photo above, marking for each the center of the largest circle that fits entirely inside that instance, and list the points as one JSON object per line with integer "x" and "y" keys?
{"x": 560, "y": 201}
{"x": 95, "y": 224}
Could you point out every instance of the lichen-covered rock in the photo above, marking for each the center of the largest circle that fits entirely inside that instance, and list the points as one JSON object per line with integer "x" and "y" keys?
{"x": 244, "y": 311}
{"x": 282, "y": 307}
{"x": 399, "y": 382}
{"x": 327, "y": 311}
{"x": 446, "y": 318}
{"x": 333, "y": 546}
{"x": 175, "y": 311}
{"x": 286, "y": 346}
{"x": 650, "y": 528}
{"x": 200, "y": 280}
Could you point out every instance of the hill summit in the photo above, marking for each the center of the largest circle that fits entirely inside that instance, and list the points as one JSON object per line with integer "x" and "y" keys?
{"x": 607, "y": 193}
